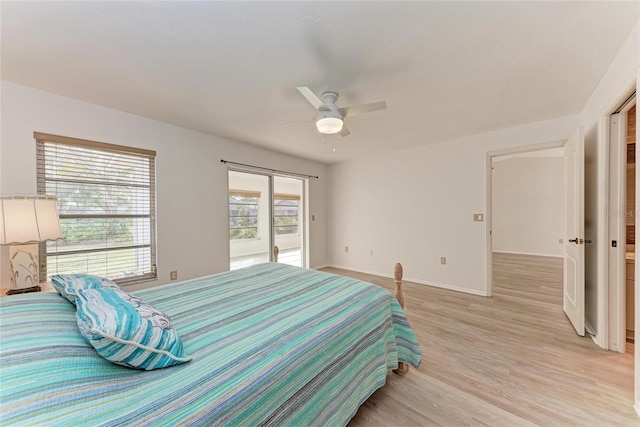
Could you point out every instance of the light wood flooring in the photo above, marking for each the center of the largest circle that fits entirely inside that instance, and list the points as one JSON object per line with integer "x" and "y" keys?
{"x": 509, "y": 360}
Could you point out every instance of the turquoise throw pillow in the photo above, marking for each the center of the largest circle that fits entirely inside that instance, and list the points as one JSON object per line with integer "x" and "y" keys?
{"x": 67, "y": 285}
{"x": 126, "y": 330}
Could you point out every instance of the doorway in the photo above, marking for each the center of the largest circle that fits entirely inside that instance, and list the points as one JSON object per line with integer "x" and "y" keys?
{"x": 528, "y": 231}
{"x": 515, "y": 234}
{"x": 266, "y": 219}
{"x": 571, "y": 212}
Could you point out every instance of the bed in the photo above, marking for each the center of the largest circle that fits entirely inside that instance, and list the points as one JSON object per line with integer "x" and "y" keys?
{"x": 271, "y": 344}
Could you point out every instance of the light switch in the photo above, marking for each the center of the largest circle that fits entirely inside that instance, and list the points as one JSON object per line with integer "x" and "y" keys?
{"x": 478, "y": 217}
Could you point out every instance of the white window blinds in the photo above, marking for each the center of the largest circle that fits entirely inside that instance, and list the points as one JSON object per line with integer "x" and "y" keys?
{"x": 106, "y": 201}
{"x": 285, "y": 214}
{"x": 243, "y": 214}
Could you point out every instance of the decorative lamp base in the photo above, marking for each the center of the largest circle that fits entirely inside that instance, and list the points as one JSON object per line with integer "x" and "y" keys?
{"x": 23, "y": 261}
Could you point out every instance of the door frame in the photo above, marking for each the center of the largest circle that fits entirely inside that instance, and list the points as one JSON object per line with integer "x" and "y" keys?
{"x": 604, "y": 314}
{"x": 489, "y": 203}
{"x": 616, "y": 227}
{"x": 611, "y": 298}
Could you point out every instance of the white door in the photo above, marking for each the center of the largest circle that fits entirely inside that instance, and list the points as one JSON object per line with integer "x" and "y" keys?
{"x": 617, "y": 232}
{"x": 574, "y": 245}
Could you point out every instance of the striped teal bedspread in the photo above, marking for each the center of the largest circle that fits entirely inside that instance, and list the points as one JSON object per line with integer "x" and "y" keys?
{"x": 271, "y": 345}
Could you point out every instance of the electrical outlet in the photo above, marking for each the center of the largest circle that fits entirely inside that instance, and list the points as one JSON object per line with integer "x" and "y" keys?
{"x": 173, "y": 275}
{"x": 478, "y": 217}
{"x": 346, "y": 248}
{"x": 443, "y": 260}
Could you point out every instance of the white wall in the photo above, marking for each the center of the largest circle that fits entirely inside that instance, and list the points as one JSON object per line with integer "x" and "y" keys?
{"x": 528, "y": 205}
{"x": 416, "y": 205}
{"x": 191, "y": 182}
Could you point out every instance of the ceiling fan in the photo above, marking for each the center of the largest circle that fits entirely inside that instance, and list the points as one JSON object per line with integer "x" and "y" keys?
{"x": 330, "y": 119}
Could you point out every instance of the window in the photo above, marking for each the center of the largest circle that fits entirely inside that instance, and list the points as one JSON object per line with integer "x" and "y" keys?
{"x": 106, "y": 201}
{"x": 243, "y": 214}
{"x": 285, "y": 214}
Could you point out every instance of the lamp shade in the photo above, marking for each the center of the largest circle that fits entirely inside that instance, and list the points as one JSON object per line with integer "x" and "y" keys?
{"x": 28, "y": 219}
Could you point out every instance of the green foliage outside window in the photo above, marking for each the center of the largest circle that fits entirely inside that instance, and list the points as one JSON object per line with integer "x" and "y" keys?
{"x": 285, "y": 217}
{"x": 243, "y": 217}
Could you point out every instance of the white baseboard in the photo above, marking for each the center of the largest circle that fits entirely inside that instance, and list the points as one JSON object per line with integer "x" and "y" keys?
{"x": 526, "y": 253}
{"x": 318, "y": 267}
{"x": 447, "y": 287}
{"x": 414, "y": 280}
{"x": 375, "y": 273}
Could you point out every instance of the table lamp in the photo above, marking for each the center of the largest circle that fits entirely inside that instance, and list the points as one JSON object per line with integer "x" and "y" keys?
{"x": 25, "y": 221}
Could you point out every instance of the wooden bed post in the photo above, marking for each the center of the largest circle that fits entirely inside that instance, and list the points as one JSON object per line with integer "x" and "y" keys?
{"x": 403, "y": 368}
{"x": 397, "y": 274}
{"x": 276, "y": 251}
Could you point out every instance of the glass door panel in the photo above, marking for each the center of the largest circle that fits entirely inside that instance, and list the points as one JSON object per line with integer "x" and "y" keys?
{"x": 249, "y": 219}
{"x": 288, "y": 220}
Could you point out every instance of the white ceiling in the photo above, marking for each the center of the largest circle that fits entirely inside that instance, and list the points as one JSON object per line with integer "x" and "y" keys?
{"x": 446, "y": 69}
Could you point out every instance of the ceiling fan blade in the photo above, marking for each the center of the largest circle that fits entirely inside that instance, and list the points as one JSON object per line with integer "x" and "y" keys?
{"x": 317, "y": 103}
{"x": 362, "y": 109}
{"x": 297, "y": 122}
{"x": 344, "y": 131}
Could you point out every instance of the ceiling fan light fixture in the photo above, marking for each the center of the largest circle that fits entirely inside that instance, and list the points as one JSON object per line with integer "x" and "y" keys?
{"x": 329, "y": 125}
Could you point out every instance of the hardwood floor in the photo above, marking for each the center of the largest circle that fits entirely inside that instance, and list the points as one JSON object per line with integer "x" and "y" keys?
{"x": 509, "y": 360}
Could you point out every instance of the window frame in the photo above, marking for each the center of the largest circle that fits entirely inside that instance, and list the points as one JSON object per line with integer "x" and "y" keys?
{"x": 145, "y": 155}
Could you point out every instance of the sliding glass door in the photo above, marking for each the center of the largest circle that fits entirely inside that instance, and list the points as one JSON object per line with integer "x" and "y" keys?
{"x": 288, "y": 219}
{"x": 266, "y": 219}
{"x": 249, "y": 211}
